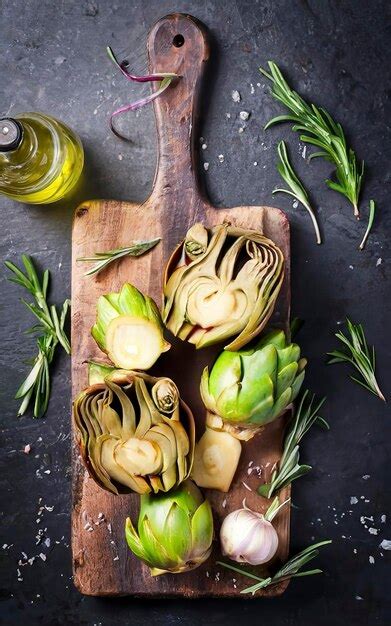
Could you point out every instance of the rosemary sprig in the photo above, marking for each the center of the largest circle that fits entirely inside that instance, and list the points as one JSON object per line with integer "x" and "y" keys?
{"x": 372, "y": 209}
{"x": 289, "y": 467}
{"x": 291, "y": 569}
{"x": 322, "y": 131}
{"x": 298, "y": 190}
{"x": 137, "y": 248}
{"x": 358, "y": 354}
{"x": 51, "y": 331}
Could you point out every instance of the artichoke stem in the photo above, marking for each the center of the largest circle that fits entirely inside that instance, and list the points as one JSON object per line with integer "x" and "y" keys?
{"x": 216, "y": 459}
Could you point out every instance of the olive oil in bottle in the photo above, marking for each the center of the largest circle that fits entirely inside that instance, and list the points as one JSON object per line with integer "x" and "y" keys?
{"x": 41, "y": 159}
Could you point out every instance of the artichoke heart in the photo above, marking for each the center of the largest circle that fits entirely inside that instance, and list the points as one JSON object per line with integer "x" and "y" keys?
{"x": 129, "y": 329}
{"x": 135, "y": 433}
{"x": 250, "y": 388}
{"x": 221, "y": 283}
{"x": 174, "y": 531}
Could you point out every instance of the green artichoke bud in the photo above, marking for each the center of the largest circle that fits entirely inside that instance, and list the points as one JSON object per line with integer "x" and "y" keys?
{"x": 250, "y": 388}
{"x": 175, "y": 530}
{"x": 135, "y": 433}
{"x": 129, "y": 329}
{"x": 220, "y": 284}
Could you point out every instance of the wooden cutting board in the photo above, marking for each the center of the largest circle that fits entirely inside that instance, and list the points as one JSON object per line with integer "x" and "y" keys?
{"x": 102, "y": 563}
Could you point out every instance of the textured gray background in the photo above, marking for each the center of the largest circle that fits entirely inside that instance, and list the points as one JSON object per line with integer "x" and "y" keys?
{"x": 52, "y": 58}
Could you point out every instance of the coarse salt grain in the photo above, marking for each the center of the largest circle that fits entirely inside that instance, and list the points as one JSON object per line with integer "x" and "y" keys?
{"x": 236, "y": 97}
{"x": 206, "y": 166}
{"x": 244, "y": 115}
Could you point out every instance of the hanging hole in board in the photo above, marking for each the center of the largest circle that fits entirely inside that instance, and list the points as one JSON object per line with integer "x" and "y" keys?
{"x": 178, "y": 41}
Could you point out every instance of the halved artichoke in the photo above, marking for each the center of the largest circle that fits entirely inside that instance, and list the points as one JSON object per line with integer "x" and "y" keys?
{"x": 135, "y": 433}
{"x": 129, "y": 329}
{"x": 221, "y": 283}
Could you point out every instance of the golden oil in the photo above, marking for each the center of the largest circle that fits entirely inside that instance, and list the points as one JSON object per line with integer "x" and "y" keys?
{"x": 41, "y": 159}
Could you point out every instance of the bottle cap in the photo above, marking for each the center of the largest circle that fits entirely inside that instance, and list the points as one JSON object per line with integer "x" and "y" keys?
{"x": 11, "y": 134}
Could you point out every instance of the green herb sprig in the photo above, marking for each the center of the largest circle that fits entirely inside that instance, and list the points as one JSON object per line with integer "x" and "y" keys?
{"x": 358, "y": 354}
{"x": 297, "y": 189}
{"x": 104, "y": 259}
{"x": 291, "y": 569}
{"x": 372, "y": 209}
{"x": 50, "y": 327}
{"x": 322, "y": 131}
{"x": 289, "y": 468}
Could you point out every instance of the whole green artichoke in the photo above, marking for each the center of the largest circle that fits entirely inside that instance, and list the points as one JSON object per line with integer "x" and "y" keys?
{"x": 250, "y": 388}
{"x": 175, "y": 530}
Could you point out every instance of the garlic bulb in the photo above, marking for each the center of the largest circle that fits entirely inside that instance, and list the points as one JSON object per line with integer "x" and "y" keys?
{"x": 249, "y": 537}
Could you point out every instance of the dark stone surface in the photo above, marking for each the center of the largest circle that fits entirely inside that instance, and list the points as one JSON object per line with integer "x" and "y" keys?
{"x": 336, "y": 53}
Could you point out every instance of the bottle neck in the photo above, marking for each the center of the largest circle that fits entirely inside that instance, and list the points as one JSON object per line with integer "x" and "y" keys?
{"x": 11, "y": 134}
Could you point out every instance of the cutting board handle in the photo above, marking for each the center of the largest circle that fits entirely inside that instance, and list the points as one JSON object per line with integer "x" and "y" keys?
{"x": 177, "y": 43}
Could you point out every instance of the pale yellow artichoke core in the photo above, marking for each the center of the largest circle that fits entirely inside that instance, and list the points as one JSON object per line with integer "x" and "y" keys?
{"x": 133, "y": 342}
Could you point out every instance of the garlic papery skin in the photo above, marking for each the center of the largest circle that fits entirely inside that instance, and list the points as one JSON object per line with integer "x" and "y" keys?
{"x": 248, "y": 537}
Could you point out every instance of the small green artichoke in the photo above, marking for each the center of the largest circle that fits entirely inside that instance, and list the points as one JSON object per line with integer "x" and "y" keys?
{"x": 129, "y": 329}
{"x": 175, "y": 530}
{"x": 252, "y": 387}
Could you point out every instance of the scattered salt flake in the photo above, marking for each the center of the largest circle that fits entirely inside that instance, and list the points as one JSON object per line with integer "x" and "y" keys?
{"x": 202, "y": 140}
{"x": 224, "y": 503}
{"x": 207, "y": 574}
{"x": 386, "y": 544}
{"x": 236, "y": 97}
{"x": 221, "y": 158}
{"x": 120, "y": 157}
{"x": 47, "y": 471}
{"x": 95, "y": 111}
{"x": 355, "y": 550}
{"x": 359, "y": 598}
{"x": 250, "y": 463}
{"x": 27, "y": 448}
{"x": 252, "y": 90}
{"x": 373, "y": 531}
{"x": 258, "y": 84}
{"x": 379, "y": 262}
{"x": 304, "y": 152}
{"x": 47, "y": 542}
{"x": 366, "y": 500}
{"x": 246, "y": 486}
{"x": 244, "y": 115}
{"x": 42, "y": 556}
{"x": 31, "y": 561}
{"x": 295, "y": 204}
{"x": 5, "y": 546}
{"x": 204, "y": 146}
{"x": 241, "y": 129}
{"x": 49, "y": 508}
{"x": 59, "y": 60}
{"x": 116, "y": 558}
{"x": 109, "y": 528}
{"x": 217, "y": 577}
{"x": 24, "y": 555}
{"x": 371, "y": 560}
{"x": 255, "y": 162}
{"x": 383, "y": 519}
{"x": 351, "y": 267}
{"x": 228, "y": 115}
{"x": 90, "y": 529}
{"x": 366, "y": 476}
{"x": 206, "y": 166}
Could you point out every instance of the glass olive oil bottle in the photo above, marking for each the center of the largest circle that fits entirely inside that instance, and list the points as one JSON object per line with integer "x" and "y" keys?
{"x": 41, "y": 159}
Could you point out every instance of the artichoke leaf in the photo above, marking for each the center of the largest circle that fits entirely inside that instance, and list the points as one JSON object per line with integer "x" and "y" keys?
{"x": 109, "y": 463}
{"x": 286, "y": 377}
{"x": 133, "y": 540}
{"x": 128, "y": 413}
{"x": 202, "y": 530}
{"x": 177, "y": 533}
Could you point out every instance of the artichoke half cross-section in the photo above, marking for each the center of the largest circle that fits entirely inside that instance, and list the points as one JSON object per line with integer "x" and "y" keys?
{"x": 221, "y": 283}
{"x": 135, "y": 433}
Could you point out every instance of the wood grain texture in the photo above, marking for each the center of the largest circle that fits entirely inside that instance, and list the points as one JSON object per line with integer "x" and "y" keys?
{"x": 173, "y": 206}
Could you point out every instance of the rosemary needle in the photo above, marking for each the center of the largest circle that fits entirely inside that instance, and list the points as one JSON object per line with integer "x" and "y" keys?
{"x": 297, "y": 189}
{"x": 372, "y": 209}
{"x": 137, "y": 248}
{"x": 358, "y": 354}
{"x": 322, "y": 131}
